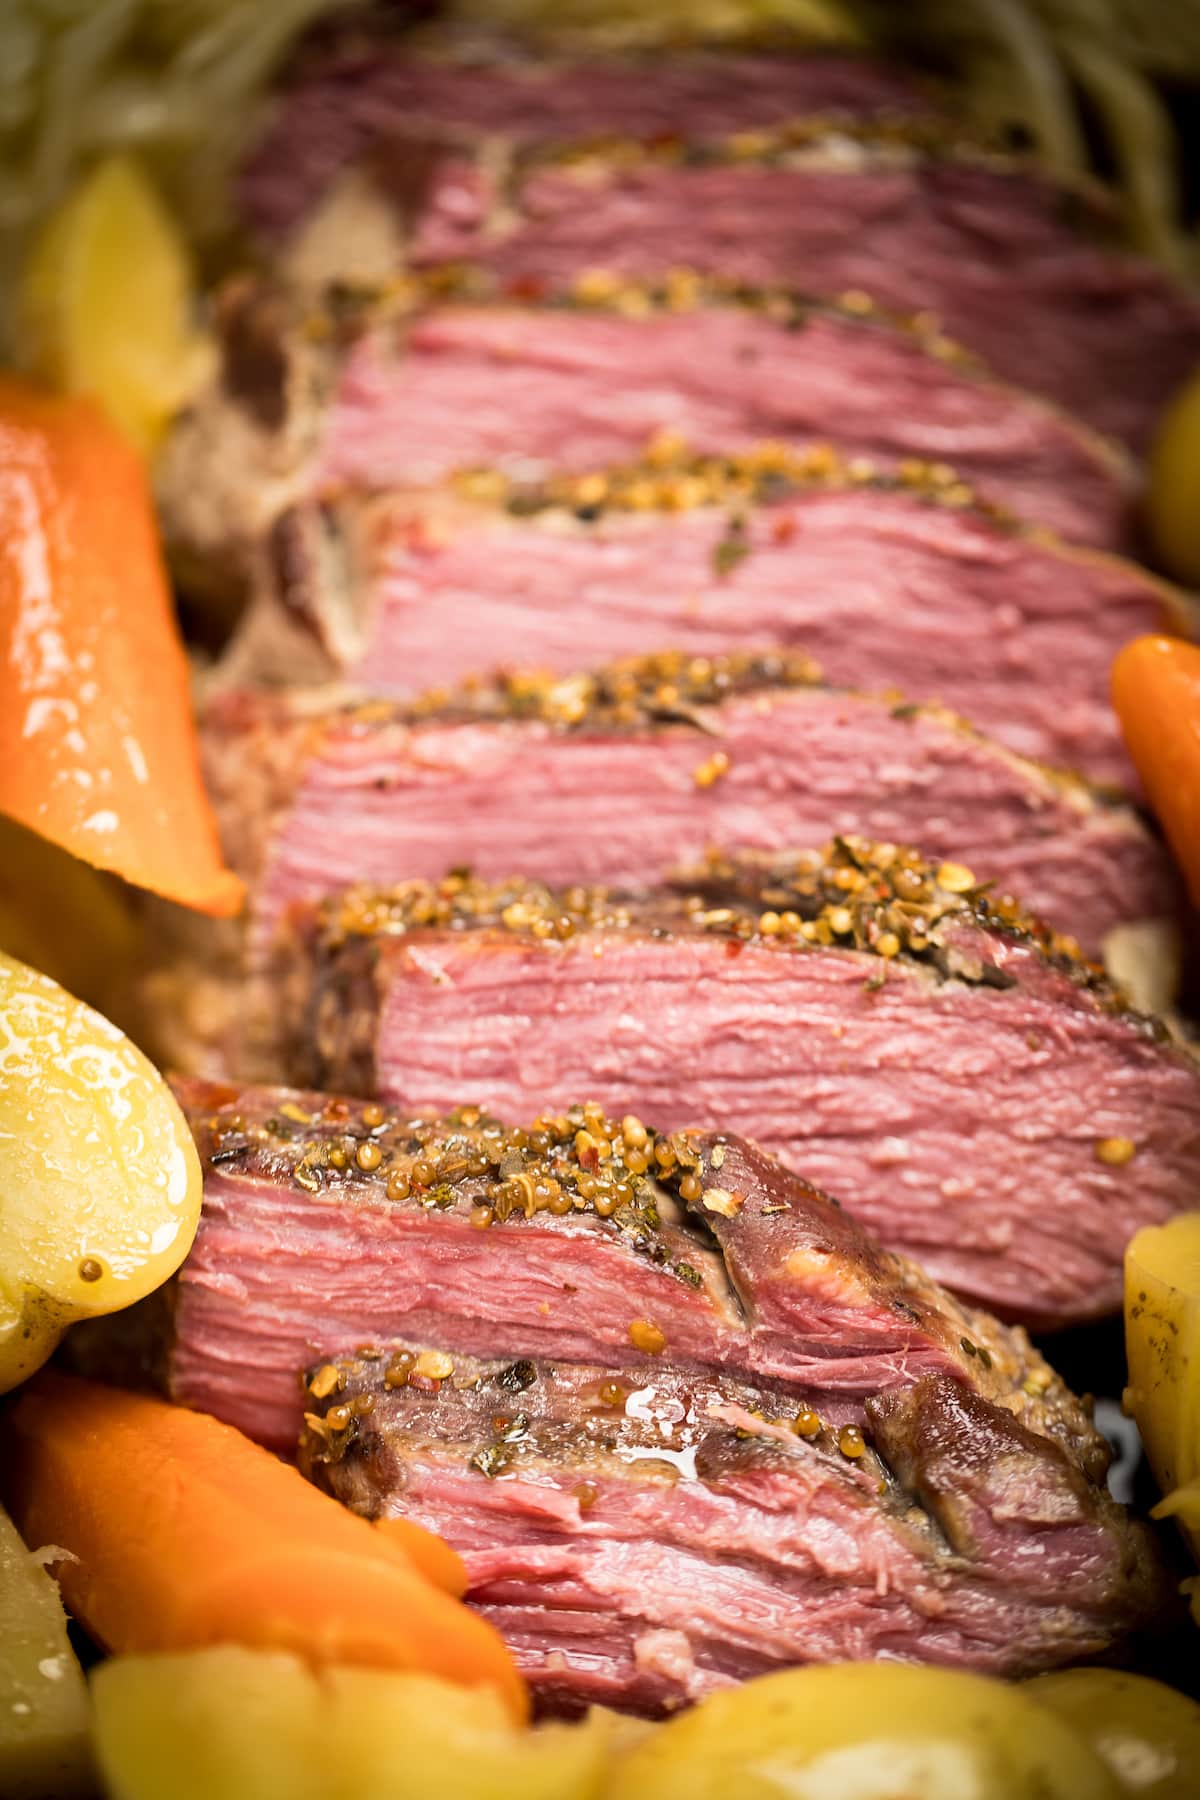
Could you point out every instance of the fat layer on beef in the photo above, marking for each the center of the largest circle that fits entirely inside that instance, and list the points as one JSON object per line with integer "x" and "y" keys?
{"x": 1020, "y": 268}
{"x": 975, "y": 1093}
{"x": 644, "y": 1536}
{"x": 379, "y": 403}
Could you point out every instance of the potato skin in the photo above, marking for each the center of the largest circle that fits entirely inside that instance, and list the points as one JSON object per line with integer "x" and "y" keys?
{"x": 245, "y": 1724}
{"x": 1162, "y": 1345}
{"x": 1146, "y": 1732}
{"x": 101, "y": 1181}
{"x": 866, "y": 1731}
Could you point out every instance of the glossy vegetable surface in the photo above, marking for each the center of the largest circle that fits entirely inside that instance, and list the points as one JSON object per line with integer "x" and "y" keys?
{"x": 237, "y": 1725}
{"x": 76, "y": 326}
{"x": 100, "y": 1184}
{"x": 1147, "y": 1733}
{"x": 186, "y": 1534}
{"x": 1173, "y": 488}
{"x": 1156, "y": 691}
{"x": 865, "y": 1731}
{"x": 44, "y": 1747}
{"x": 98, "y": 750}
{"x": 1162, "y": 1342}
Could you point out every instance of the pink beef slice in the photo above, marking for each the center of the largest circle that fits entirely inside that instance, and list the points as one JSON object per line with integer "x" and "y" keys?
{"x": 292, "y": 420}
{"x": 1023, "y": 270}
{"x": 615, "y": 777}
{"x": 885, "y": 585}
{"x": 645, "y": 1537}
{"x": 329, "y": 1223}
{"x": 983, "y": 1102}
{"x": 365, "y": 101}
{"x": 980, "y": 1098}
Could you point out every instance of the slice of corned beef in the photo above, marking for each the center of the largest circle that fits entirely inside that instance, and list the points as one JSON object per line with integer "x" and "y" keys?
{"x": 645, "y": 1536}
{"x": 617, "y": 776}
{"x": 293, "y": 418}
{"x": 1022, "y": 270}
{"x": 888, "y": 583}
{"x": 330, "y": 1223}
{"x": 366, "y": 101}
{"x": 976, "y": 1094}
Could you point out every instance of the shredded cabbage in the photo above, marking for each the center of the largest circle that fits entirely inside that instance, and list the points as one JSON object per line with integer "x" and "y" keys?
{"x": 179, "y": 81}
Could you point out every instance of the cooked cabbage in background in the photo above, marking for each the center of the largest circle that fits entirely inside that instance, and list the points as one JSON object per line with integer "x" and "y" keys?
{"x": 100, "y": 1183}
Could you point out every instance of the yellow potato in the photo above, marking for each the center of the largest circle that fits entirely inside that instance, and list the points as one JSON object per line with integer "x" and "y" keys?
{"x": 65, "y": 918}
{"x": 1162, "y": 1343}
{"x": 1147, "y": 1733}
{"x": 44, "y": 1747}
{"x": 1173, "y": 488}
{"x": 865, "y": 1731}
{"x": 100, "y": 1184}
{"x": 244, "y": 1725}
{"x": 104, "y": 303}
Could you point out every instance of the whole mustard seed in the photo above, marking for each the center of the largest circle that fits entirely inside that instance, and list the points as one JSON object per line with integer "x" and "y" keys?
{"x": 373, "y": 1115}
{"x": 851, "y": 1442}
{"x": 324, "y": 1382}
{"x": 90, "y": 1269}
{"x": 368, "y": 1157}
{"x": 956, "y": 878}
{"x": 1116, "y": 1151}
{"x": 645, "y": 1336}
{"x": 807, "y": 1423}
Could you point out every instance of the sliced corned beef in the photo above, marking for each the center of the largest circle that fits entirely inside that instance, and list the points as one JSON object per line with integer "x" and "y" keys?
{"x": 293, "y": 418}
{"x": 1020, "y": 269}
{"x": 370, "y": 100}
{"x": 888, "y": 583}
{"x": 645, "y": 1536}
{"x": 330, "y": 1223}
{"x": 980, "y": 1098}
{"x": 615, "y": 777}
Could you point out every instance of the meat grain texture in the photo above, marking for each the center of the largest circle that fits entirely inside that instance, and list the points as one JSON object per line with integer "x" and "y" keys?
{"x": 684, "y": 1296}
{"x": 1022, "y": 270}
{"x": 978, "y": 1096}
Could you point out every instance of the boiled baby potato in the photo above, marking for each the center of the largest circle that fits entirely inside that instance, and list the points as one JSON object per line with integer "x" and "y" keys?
{"x": 1147, "y": 1733}
{"x": 100, "y": 1184}
{"x": 104, "y": 303}
{"x": 245, "y": 1724}
{"x": 1162, "y": 1345}
{"x": 866, "y": 1731}
{"x": 44, "y": 1747}
{"x": 1173, "y": 488}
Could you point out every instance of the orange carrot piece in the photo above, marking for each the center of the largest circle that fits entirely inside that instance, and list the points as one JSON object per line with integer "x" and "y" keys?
{"x": 1156, "y": 691}
{"x": 98, "y": 750}
{"x": 431, "y": 1554}
{"x": 187, "y": 1534}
